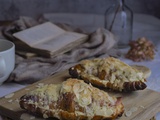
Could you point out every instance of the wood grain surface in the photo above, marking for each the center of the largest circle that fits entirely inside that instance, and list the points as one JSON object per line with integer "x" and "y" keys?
{"x": 146, "y": 102}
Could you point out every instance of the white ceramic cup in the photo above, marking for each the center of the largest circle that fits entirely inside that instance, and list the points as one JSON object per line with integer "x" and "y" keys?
{"x": 7, "y": 59}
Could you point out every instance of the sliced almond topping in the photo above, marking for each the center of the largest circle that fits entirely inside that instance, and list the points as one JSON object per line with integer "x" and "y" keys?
{"x": 11, "y": 108}
{"x": 128, "y": 113}
{"x": 133, "y": 109}
{"x": 10, "y": 100}
{"x": 141, "y": 106}
{"x": 45, "y": 116}
{"x": 17, "y": 100}
{"x": 24, "y": 116}
{"x": 32, "y": 118}
{"x": 41, "y": 84}
{"x": 27, "y": 89}
{"x": 9, "y": 95}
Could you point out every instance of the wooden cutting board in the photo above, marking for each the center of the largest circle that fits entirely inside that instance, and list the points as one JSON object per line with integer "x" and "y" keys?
{"x": 147, "y": 102}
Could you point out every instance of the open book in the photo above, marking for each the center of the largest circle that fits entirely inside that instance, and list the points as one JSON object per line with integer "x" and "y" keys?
{"x": 48, "y": 40}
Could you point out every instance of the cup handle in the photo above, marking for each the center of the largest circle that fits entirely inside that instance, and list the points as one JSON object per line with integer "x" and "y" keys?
{"x": 2, "y": 67}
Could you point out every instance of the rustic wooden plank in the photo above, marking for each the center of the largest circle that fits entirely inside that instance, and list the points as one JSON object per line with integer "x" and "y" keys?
{"x": 146, "y": 101}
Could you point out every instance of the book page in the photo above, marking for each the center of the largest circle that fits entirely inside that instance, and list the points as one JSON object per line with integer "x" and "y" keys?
{"x": 40, "y": 33}
{"x": 64, "y": 41}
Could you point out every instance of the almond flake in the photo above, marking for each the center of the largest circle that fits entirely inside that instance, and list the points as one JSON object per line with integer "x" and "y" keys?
{"x": 45, "y": 116}
{"x": 128, "y": 113}
{"x": 11, "y": 108}
{"x": 32, "y": 118}
{"x": 16, "y": 100}
{"x": 141, "y": 106}
{"x": 133, "y": 109}
{"x": 10, "y": 100}
{"x": 9, "y": 95}
{"x": 27, "y": 89}
{"x": 26, "y": 116}
{"x": 41, "y": 84}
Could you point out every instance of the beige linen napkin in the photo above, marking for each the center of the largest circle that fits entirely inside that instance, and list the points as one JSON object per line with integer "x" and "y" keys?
{"x": 101, "y": 43}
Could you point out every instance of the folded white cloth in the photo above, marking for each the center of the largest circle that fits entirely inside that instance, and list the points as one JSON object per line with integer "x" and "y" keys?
{"x": 100, "y": 43}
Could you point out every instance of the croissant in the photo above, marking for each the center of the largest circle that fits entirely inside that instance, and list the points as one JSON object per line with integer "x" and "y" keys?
{"x": 73, "y": 99}
{"x": 110, "y": 73}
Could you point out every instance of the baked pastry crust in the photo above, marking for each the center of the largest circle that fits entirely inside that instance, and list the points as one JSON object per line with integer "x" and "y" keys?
{"x": 72, "y": 100}
{"x": 110, "y": 73}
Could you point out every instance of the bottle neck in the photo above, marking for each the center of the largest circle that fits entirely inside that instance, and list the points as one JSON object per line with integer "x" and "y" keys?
{"x": 121, "y": 2}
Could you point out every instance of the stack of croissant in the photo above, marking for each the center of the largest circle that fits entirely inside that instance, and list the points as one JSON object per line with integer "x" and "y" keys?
{"x": 80, "y": 97}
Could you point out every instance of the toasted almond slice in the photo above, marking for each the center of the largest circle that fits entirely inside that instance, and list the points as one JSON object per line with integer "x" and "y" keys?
{"x": 133, "y": 109}
{"x": 32, "y": 118}
{"x": 10, "y": 100}
{"x": 128, "y": 113}
{"x": 9, "y": 95}
{"x": 141, "y": 106}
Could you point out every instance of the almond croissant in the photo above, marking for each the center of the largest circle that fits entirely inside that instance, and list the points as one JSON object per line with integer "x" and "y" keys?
{"x": 72, "y": 100}
{"x": 110, "y": 73}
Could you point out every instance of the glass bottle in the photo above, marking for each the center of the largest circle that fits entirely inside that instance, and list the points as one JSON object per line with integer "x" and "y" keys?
{"x": 119, "y": 20}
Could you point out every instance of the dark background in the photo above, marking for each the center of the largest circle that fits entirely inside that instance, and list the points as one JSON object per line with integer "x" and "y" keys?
{"x": 12, "y": 9}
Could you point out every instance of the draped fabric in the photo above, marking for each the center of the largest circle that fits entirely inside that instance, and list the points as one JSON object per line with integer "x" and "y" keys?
{"x": 100, "y": 43}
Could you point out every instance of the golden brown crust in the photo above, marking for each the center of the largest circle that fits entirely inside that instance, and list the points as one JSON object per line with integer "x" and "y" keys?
{"x": 110, "y": 73}
{"x": 75, "y": 100}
